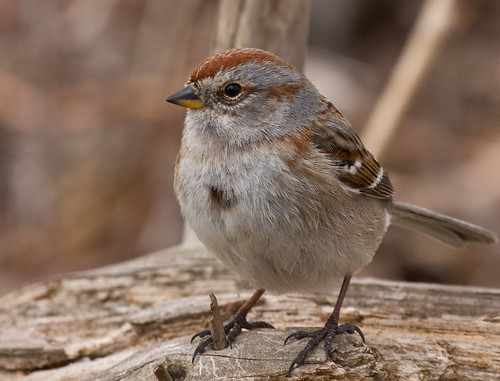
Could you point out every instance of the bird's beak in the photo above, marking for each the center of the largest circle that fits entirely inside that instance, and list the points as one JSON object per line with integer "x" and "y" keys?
{"x": 186, "y": 98}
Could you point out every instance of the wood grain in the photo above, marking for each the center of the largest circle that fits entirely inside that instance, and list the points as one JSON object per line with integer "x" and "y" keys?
{"x": 121, "y": 322}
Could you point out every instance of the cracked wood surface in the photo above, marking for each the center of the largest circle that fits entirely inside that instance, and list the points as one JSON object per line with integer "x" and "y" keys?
{"x": 122, "y": 322}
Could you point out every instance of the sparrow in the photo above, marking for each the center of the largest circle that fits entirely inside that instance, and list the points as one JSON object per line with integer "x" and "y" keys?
{"x": 276, "y": 184}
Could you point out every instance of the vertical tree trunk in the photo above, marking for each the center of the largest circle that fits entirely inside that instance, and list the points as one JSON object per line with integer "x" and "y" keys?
{"x": 279, "y": 26}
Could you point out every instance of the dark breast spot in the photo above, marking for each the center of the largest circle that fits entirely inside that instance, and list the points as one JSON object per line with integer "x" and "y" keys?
{"x": 221, "y": 199}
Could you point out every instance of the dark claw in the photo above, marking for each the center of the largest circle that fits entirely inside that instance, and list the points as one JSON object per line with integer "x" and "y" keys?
{"x": 195, "y": 353}
{"x": 298, "y": 335}
{"x": 200, "y": 348}
{"x": 239, "y": 325}
{"x": 232, "y": 329}
{"x": 299, "y": 359}
{"x": 327, "y": 334}
{"x": 202, "y": 333}
{"x": 315, "y": 336}
{"x": 328, "y": 342}
{"x": 350, "y": 328}
{"x": 292, "y": 365}
{"x": 231, "y": 335}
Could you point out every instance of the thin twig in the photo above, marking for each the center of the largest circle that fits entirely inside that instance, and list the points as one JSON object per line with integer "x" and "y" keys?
{"x": 162, "y": 374}
{"x": 216, "y": 326}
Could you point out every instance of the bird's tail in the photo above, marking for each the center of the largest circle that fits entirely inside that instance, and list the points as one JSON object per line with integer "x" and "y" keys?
{"x": 446, "y": 229}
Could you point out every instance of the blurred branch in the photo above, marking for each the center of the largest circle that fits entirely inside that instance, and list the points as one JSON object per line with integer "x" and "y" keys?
{"x": 152, "y": 40}
{"x": 16, "y": 96}
{"x": 88, "y": 25}
{"x": 417, "y": 57}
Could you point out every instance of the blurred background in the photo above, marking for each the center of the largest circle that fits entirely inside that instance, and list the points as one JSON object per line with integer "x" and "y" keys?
{"x": 88, "y": 144}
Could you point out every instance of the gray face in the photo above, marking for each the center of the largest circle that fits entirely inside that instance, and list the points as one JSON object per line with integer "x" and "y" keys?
{"x": 252, "y": 102}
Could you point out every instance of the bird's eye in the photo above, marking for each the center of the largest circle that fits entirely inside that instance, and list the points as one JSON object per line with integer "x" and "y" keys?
{"x": 232, "y": 90}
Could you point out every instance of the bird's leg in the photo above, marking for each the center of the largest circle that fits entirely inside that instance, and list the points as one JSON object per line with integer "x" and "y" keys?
{"x": 328, "y": 332}
{"x": 233, "y": 328}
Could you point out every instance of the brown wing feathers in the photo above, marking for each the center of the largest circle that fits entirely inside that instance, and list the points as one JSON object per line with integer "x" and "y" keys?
{"x": 368, "y": 177}
{"x": 358, "y": 169}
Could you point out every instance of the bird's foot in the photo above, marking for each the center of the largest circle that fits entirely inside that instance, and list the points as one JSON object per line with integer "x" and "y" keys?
{"x": 232, "y": 329}
{"x": 327, "y": 333}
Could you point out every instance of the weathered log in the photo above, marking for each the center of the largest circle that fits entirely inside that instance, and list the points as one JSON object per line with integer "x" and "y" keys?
{"x": 124, "y": 321}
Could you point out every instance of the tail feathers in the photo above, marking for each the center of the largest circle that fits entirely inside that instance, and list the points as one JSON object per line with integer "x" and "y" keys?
{"x": 446, "y": 229}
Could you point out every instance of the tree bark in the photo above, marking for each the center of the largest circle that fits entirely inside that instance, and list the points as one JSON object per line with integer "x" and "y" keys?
{"x": 279, "y": 26}
{"x": 133, "y": 320}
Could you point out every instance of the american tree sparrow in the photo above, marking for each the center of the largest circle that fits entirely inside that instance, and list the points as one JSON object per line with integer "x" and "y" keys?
{"x": 276, "y": 183}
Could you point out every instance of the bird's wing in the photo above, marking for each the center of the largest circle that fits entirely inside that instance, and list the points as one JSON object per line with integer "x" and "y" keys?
{"x": 357, "y": 169}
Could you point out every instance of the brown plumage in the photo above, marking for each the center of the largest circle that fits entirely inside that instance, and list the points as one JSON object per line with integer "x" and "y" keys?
{"x": 276, "y": 183}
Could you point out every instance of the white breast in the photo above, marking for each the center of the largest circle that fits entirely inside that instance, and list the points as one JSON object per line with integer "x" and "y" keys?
{"x": 280, "y": 229}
